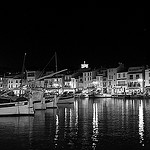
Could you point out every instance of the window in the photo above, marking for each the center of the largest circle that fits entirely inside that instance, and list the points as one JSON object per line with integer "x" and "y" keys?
{"x": 149, "y": 81}
{"x": 121, "y": 83}
{"x": 137, "y": 76}
{"x": 109, "y": 76}
{"x": 149, "y": 74}
{"x": 131, "y": 77}
{"x": 30, "y": 74}
{"x": 124, "y": 75}
{"x": 119, "y": 75}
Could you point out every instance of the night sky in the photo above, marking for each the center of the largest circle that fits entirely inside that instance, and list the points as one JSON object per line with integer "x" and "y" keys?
{"x": 100, "y": 36}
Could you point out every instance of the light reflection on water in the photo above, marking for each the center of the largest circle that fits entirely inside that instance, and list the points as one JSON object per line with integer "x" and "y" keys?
{"x": 141, "y": 123}
{"x": 85, "y": 124}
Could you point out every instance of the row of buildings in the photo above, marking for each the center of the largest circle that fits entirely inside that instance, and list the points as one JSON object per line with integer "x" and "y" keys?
{"x": 132, "y": 80}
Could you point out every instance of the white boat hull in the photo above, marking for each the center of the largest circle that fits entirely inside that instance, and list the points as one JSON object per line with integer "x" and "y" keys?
{"x": 65, "y": 100}
{"x": 102, "y": 95}
{"x": 84, "y": 96}
{"x": 16, "y": 108}
{"x": 51, "y": 102}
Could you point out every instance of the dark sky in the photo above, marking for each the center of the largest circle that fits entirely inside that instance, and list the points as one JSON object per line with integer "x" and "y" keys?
{"x": 100, "y": 36}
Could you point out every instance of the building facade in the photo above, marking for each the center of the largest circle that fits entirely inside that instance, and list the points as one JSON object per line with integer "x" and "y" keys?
{"x": 136, "y": 77}
{"x": 121, "y": 87}
{"x": 147, "y": 81}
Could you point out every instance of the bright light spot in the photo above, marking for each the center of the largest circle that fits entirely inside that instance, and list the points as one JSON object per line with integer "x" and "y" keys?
{"x": 140, "y": 80}
{"x": 141, "y": 123}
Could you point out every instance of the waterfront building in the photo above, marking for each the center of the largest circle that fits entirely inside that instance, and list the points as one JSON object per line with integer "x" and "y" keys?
{"x": 112, "y": 78}
{"x": 70, "y": 83}
{"x": 88, "y": 77}
{"x": 1, "y": 83}
{"x": 85, "y": 77}
{"x": 54, "y": 82}
{"x": 121, "y": 87}
{"x": 101, "y": 80}
{"x": 13, "y": 83}
{"x": 147, "y": 80}
{"x": 136, "y": 77}
{"x": 31, "y": 76}
{"x": 98, "y": 83}
{"x": 67, "y": 80}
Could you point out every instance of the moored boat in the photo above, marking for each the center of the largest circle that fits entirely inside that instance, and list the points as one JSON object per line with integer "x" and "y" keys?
{"x": 106, "y": 95}
{"x": 42, "y": 101}
{"x": 100, "y": 95}
{"x": 21, "y": 106}
{"x": 84, "y": 95}
{"x": 65, "y": 98}
{"x": 78, "y": 93}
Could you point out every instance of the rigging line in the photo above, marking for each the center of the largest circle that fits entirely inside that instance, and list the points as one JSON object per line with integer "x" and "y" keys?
{"x": 47, "y": 65}
{"x": 23, "y": 68}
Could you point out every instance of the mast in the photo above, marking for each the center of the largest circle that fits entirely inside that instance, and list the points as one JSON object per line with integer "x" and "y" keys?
{"x": 22, "y": 73}
{"x": 23, "y": 67}
{"x": 56, "y": 61}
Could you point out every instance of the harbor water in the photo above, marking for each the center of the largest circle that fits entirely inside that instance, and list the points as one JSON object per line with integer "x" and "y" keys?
{"x": 87, "y": 124}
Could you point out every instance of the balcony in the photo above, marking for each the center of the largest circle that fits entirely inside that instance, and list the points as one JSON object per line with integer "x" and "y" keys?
{"x": 134, "y": 85}
{"x": 121, "y": 84}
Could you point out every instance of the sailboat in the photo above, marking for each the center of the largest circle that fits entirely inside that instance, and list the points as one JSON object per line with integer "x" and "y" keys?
{"x": 18, "y": 106}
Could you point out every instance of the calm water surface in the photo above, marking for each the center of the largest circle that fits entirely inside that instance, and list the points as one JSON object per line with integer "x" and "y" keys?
{"x": 86, "y": 124}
